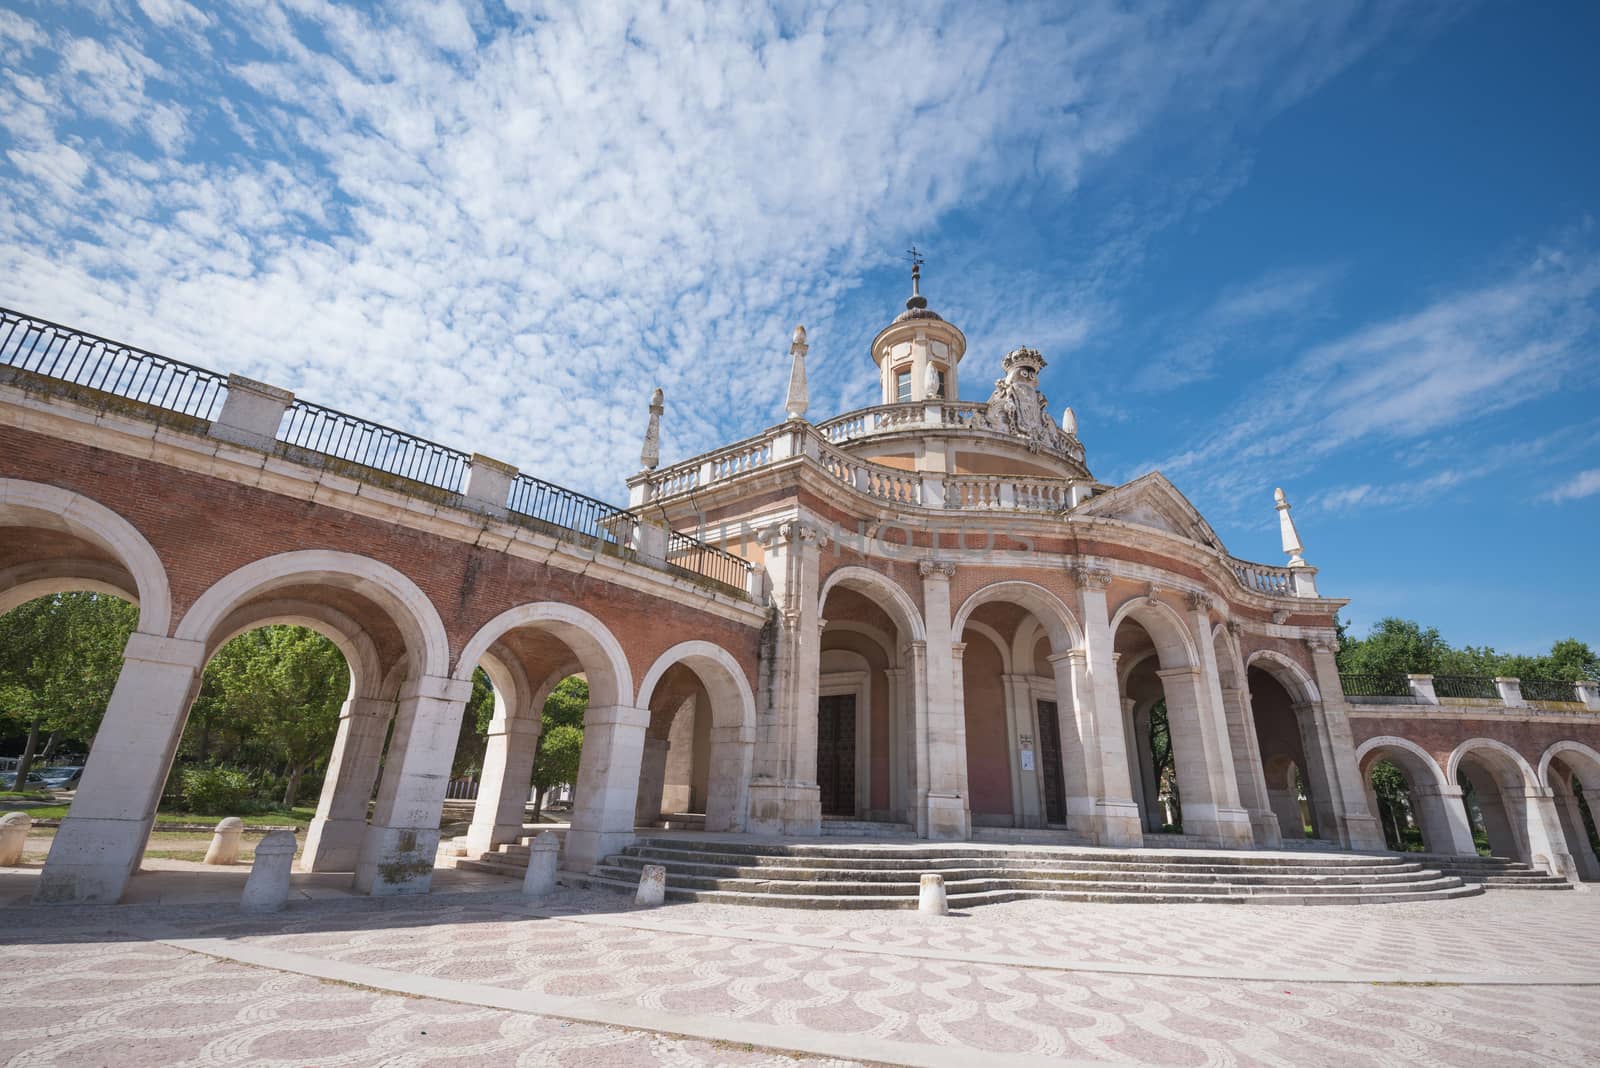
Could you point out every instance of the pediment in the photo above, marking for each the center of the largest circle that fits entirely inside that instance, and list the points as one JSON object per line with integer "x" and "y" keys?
{"x": 1152, "y": 501}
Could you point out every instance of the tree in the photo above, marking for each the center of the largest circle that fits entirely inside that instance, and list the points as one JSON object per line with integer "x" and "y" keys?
{"x": 282, "y": 688}
{"x": 1393, "y": 647}
{"x": 555, "y": 760}
{"x": 472, "y": 740}
{"x": 59, "y": 660}
{"x": 1163, "y": 761}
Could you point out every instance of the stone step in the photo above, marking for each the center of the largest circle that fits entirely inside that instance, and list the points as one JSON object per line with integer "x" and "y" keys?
{"x": 910, "y": 876}
{"x": 833, "y": 828}
{"x": 967, "y": 900}
{"x": 925, "y": 860}
{"x": 968, "y": 883}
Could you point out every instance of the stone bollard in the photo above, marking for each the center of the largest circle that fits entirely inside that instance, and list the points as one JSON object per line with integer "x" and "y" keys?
{"x": 268, "y": 886}
{"x": 224, "y": 848}
{"x": 542, "y": 854}
{"x": 14, "y": 829}
{"x": 931, "y": 898}
{"x": 652, "y": 885}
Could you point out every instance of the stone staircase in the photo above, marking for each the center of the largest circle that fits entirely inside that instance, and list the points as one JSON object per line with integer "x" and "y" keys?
{"x": 887, "y": 875}
{"x": 1496, "y": 873}
{"x": 833, "y": 827}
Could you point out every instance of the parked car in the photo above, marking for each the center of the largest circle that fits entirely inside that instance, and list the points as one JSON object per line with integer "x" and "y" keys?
{"x": 63, "y": 778}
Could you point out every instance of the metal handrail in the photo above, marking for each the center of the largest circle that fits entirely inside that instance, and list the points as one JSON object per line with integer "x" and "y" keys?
{"x": 1372, "y": 684}
{"x": 1537, "y": 689}
{"x": 62, "y": 352}
{"x": 1475, "y": 686}
{"x": 361, "y": 441}
{"x": 610, "y": 527}
{"x": 691, "y": 555}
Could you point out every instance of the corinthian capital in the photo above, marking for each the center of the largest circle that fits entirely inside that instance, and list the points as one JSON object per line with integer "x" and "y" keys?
{"x": 1199, "y": 600}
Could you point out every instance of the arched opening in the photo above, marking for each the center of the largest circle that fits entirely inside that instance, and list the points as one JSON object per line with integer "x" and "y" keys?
{"x": 1389, "y": 796}
{"x": 1572, "y": 772}
{"x": 1025, "y": 765}
{"x": 549, "y": 642}
{"x": 1173, "y": 721}
{"x": 1286, "y": 737}
{"x": 864, "y": 726}
{"x": 1434, "y": 818}
{"x": 700, "y": 741}
{"x": 1499, "y": 791}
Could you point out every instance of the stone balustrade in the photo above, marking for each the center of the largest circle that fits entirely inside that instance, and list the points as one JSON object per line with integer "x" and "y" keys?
{"x": 895, "y": 418}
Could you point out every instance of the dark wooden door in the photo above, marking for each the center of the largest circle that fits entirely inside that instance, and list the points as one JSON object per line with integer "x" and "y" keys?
{"x": 1055, "y": 794}
{"x": 836, "y": 754}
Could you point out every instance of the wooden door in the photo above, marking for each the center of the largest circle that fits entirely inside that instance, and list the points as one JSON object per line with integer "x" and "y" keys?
{"x": 836, "y": 754}
{"x": 1055, "y": 793}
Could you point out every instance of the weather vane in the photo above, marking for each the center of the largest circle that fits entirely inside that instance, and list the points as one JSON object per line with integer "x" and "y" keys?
{"x": 916, "y": 269}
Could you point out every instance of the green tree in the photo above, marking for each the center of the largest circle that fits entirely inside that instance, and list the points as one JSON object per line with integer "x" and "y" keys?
{"x": 59, "y": 660}
{"x": 282, "y": 688}
{"x": 555, "y": 760}
{"x": 1393, "y": 647}
{"x": 472, "y": 739}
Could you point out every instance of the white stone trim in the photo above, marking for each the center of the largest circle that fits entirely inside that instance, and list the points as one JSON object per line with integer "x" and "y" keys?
{"x": 1059, "y": 622}
{"x": 718, "y": 672}
{"x": 597, "y": 649}
{"x": 96, "y": 523}
{"x": 866, "y": 581}
{"x": 1304, "y": 689}
{"x": 1466, "y": 748}
{"x": 1144, "y": 612}
{"x": 42, "y": 578}
{"x": 409, "y": 607}
{"x": 1556, "y": 750}
{"x": 1390, "y": 742}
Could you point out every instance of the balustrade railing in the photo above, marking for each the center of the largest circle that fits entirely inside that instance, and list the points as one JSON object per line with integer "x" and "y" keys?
{"x": 1359, "y": 684}
{"x": 348, "y": 437}
{"x": 1536, "y": 689}
{"x": 1473, "y": 686}
{"x": 1274, "y": 581}
{"x": 1030, "y": 494}
{"x": 84, "y": 359}
{"x": 694, "y": 557}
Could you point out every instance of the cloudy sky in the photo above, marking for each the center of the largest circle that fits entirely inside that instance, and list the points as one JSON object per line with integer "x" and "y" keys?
{"x": 1351, "y": 250}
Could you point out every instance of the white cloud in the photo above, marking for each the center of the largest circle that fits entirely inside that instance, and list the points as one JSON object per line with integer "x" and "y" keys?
{"x": 1581, "y": 485}
{"x": 502, "y": 236}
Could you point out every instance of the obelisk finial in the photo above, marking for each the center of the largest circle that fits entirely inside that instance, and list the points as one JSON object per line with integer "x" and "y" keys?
{"x": 650, "y": 455}
{"x": 797, "y": 400}
{"x": 1291, "y": 536}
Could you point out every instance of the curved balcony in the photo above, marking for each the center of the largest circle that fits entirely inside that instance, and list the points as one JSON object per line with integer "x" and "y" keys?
{"x": 964, "y": 417}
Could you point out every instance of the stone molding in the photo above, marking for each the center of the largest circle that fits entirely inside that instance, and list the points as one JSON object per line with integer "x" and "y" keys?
{"x": 932, "y": 568}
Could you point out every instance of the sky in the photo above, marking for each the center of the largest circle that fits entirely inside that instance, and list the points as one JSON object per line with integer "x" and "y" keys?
{"x": 1347, "y": 249}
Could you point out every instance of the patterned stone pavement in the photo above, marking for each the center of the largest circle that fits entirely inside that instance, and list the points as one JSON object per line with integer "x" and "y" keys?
{"x": 585, "y": 978}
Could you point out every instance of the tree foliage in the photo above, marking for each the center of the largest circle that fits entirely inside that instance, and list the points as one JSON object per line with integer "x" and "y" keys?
{"x": 1403, "y": 647}
{"x": 555, "y": 761}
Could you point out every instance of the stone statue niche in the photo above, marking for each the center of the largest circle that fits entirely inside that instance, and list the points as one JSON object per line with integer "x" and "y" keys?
{"x": 1018, "y": 407}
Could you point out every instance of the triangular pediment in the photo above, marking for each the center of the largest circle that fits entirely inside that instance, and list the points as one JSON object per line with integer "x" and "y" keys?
{"x": 1152, "y": 501}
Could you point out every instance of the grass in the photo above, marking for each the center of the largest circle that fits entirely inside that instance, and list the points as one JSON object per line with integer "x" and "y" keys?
{"x": 299, "y": 816}
{"x": 25, "y": 795}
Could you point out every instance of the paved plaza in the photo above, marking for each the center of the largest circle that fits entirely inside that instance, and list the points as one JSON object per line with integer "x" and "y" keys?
{"x": 475, "y": 974}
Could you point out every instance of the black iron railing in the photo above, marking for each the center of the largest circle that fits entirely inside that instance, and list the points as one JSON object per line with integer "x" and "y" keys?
{"x": 695, "y": 557}
{"x": 61, "y": 352}
{"x": 1357, "y": 684}
{"x": 1535, "y": 689}
{"x": 610, "y": 527}
{"x": 1478, "y": 686}
{"x": 318, "y": 429}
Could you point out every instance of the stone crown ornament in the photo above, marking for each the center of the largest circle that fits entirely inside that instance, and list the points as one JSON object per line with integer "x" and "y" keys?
{"x": 1018, "y": 407}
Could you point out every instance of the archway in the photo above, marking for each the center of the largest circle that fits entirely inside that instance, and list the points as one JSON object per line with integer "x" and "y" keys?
{"x": 1436, "y": 805}
{"x": 549, "y": 641}
{"x": 1502, "y": 796}
{"x": 701, "y": 739}
{"x": 863, "y": 735}
{"x": 1286, "y": 736}
{"x": 1571, "y": 771}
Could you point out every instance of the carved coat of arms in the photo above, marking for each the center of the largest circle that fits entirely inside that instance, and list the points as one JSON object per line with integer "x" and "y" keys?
{"x": 1017, "y": 407}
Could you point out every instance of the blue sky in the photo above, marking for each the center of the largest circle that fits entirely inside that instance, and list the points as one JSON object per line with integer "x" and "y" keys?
{"x": 1347, "y": 249}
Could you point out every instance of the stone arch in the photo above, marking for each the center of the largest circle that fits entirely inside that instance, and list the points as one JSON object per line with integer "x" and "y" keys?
{"x": 1165, "y": 627}
{"x": 24, "y": 502}
{"x": 408, "y": 607}
{"x": 354, "y": 644}
{"x": 894, "y": 600}
{"x": 1057, "y": 618}
{"x": 1587, "y": 770}
{"x": 891, "y": 652}
{"x": 1508, "y": 758}
{"x": 1023, "y": 645}
{"x": 1290, "y": 675}
{"x": 597, "y": 649}
{"x": 733, "y": 719}
{"x": 994, "y": 638}
{"x": 1417, "y": 758}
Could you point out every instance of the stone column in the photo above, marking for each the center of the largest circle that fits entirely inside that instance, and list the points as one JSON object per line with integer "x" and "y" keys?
{"x": 333, "y": 840}
{"x": 1442, "y": 816}
{"x": 1147, "y": 768}
{"x": 513, "y": 743}
{"x": 1358, "y": 827}
{"x": 1097, "y": 711}
{"x": 899, "y": 809}
{"x": 608, "y": 779}
{"x": 1248, "y": 768}
{"x": 727, "y": 786}
{"x": 652, "y": 780}
{"x": 1585, "y": 864}
{"x": 398, "y": 850}
{"x": 1546, "y": 840}
{"x": 943, "y": 732}
{"x": 101, "y": 841}
{"x": 1230, "y": 818}
{"x": 784, "y": 796}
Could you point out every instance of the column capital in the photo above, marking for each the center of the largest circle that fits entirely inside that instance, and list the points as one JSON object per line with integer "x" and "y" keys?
{"x": 1198, "y": 600}
{"x": 792, "y": 532}
{"x": 958, "y": 649}
{"x": 1071, "y": 656}
{"x": 930, "y": 568}
{"x": 1188, "y": 671}
{"x": 1091, "y": 578}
